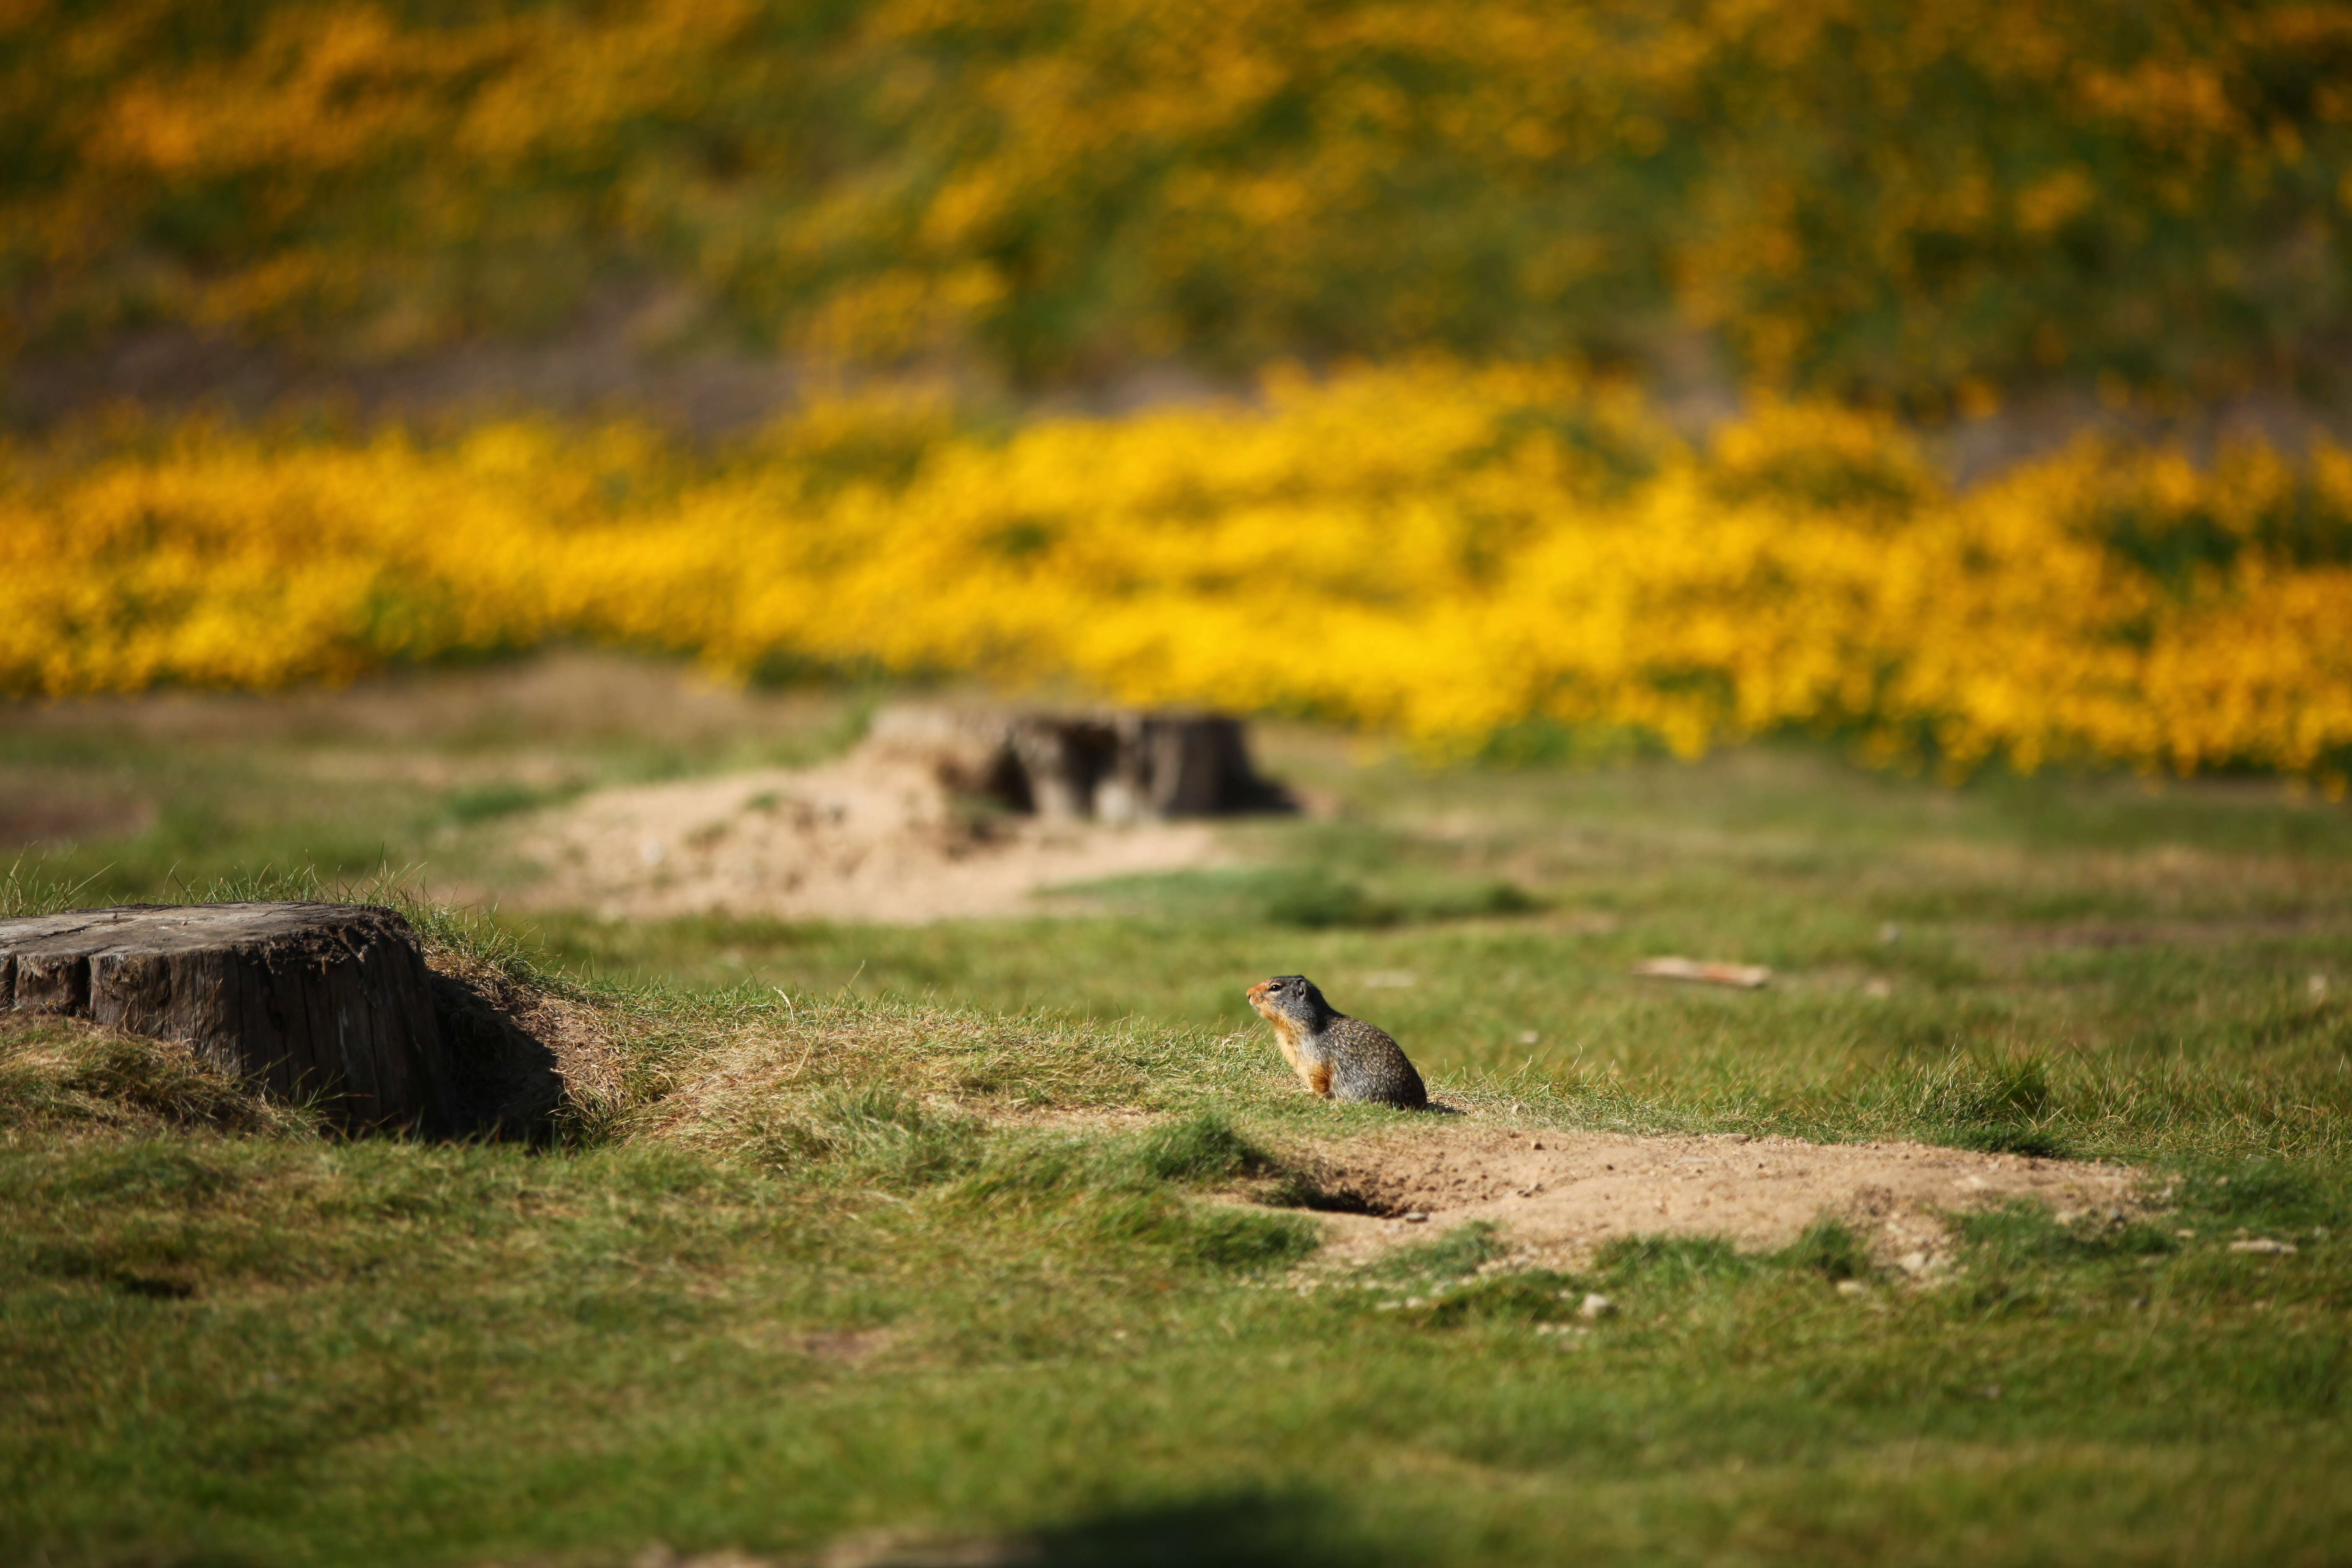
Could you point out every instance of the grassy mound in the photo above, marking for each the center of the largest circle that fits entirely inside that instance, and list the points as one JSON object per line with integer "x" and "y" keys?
{"x": 63, "y": 1079}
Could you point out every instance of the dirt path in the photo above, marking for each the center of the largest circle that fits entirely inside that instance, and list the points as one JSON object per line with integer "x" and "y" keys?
{"x": 1557, "y": 1195}
{"x": 861, "y": 839}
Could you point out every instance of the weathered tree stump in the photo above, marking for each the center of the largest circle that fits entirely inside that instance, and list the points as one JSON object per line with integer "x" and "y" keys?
{"x": 324, "y": 1000}
{"x": 1181, "y": 764}
{"x": 1063, "y": 758}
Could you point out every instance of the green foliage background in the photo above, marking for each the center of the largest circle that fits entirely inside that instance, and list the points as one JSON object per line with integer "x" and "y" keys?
{"x": 1925, "y": 203}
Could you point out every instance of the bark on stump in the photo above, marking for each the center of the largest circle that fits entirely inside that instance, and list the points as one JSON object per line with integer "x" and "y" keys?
{"x": 1115, "y": 764}
{"x": 324, "y": 1000}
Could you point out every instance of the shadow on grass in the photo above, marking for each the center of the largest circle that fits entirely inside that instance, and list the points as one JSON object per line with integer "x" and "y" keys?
{"x": 2004, "y": 1137}
{"x": 1240, "y": 1531}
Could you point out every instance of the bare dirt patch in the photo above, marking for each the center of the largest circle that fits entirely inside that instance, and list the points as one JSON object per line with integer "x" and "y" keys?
{"x": 1555, "y": 1197}
{"x": 862, "y": 840}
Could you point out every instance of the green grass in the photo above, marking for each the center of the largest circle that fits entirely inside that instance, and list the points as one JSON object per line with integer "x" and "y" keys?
{"x": 414, "y": 774}
{"x": 2045, "y": 966}
{"x": 978, "y": 1232}
{"x": 875, "y": 1313}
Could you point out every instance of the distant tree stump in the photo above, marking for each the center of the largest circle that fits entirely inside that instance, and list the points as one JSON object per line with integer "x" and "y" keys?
{"x": 1181, "y": 765}
{"x": 330, "y": 1000}
{"x": 1061, "y": 759}
{"x": 1114, "y": 765}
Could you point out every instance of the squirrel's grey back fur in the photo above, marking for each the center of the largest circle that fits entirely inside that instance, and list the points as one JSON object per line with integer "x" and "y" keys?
{"x": 1334, "y": 1054}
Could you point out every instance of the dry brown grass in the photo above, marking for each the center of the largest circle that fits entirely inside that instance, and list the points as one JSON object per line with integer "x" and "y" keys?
{"x": 536, "y": 1050}
{"x": 757, "y": 1070}
{"x": 63, "y": 1078}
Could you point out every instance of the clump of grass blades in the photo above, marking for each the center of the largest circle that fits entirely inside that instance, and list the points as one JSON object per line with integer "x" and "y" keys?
{"x": 1521, "y": 1297}
{"x": 1202, "y": 1148}
{"x": 2019, "y": 1234}
{"x": 1830, "y": 1249}
{"x": 1125, "y": 1191}
{"x": 1670, "y": 1260}
{"x": 2269, "y": 1194}
{"x": 868, "y": 1134}
{"x": 1459, "y": 1251}
{"x": 1218, "y": 1237}
{"x": 2006, "y": 1105}
{"x": 35, "y": 890}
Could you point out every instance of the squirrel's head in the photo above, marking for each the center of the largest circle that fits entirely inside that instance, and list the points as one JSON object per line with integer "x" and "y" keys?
{"x": 1291, "y": 999}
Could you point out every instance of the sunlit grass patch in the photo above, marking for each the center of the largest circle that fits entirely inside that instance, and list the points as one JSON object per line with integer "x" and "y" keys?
{"x": 1006, "y": 1232}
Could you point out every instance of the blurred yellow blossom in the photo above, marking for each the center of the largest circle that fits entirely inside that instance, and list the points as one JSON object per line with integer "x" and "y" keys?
{"x": 1433, "y": 550}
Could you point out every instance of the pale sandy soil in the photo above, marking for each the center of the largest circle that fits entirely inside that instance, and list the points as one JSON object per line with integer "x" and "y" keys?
{"x": 860, "y": 839}
{"x": 1555, "y": 1197}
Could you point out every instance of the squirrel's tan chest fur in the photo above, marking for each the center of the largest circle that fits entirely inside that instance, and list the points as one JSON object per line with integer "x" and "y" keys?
{"x": 1313, "y": 1069}
{"x": 1297, "y": 1048}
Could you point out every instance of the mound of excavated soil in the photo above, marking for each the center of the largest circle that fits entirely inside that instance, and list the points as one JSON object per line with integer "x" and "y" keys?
{"x": 862, "y": 840}
{"x": 1555, "y": 1197}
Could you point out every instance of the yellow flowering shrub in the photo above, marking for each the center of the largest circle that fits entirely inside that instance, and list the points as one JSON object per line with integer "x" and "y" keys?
{"x": 1434, "y": 551}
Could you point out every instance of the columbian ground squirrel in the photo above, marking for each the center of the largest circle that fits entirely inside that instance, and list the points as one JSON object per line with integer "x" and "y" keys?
{"x": 1338, "y": 1057}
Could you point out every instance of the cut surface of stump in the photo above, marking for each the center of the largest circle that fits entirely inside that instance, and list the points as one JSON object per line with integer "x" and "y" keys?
{"x": 329, "y": 1002}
